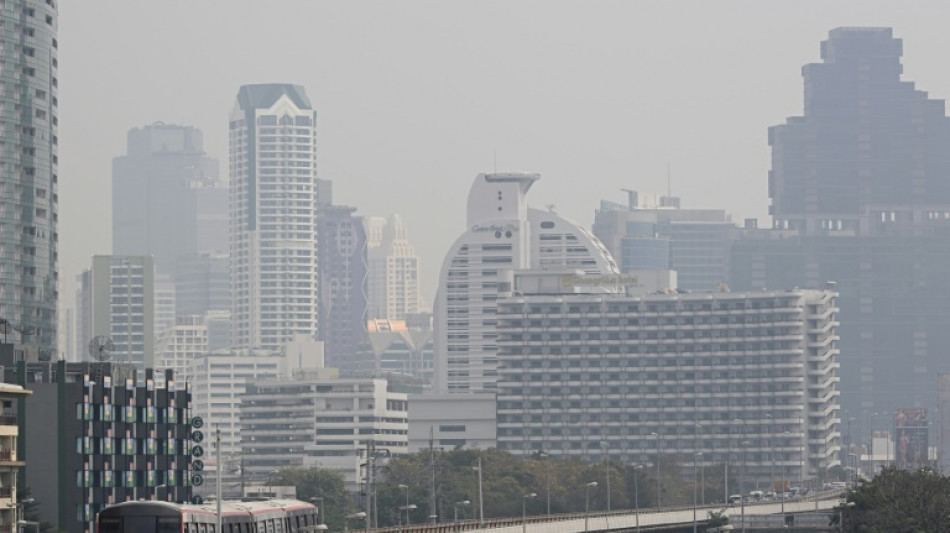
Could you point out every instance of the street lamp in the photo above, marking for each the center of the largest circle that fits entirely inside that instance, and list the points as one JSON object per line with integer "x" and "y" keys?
{"x": 636, "y": 493}
{"x": 742, "y": 445}
{"x": 321, "y": 511}
{"x": 524, "y": 511}
{"x": 547, "y": 478}
{"x": 481, "y": 501}
{"x": 354, "y": 516}
{"x": 841, "y": 515}
{"x": 657, "y": 435}
{"x": 604, "y": 445}
{"x": 587, "y": 487}
{"x": 702, "y": 469}
{"x": 696, "y": 458}
{"x": 463, "y": 503}
{"x": 406, "y": 488}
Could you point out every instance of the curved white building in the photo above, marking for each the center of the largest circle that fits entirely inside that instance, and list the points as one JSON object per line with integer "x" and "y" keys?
{"x": 503, "y": 234}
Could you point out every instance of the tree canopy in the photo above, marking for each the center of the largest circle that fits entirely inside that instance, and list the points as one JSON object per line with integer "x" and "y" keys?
{"x": 915, "y": 501}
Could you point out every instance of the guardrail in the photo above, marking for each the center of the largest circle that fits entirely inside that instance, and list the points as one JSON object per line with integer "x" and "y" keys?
{"x": 701, "y": 512}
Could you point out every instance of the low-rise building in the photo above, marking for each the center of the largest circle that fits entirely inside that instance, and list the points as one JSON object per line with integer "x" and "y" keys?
{"x": 447, "y": 421}
{"x": 318, "y": 419}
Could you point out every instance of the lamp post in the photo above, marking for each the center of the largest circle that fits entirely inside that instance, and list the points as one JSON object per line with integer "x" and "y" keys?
{"x": 321, "y": 510}
{"x": 702, "y": 470}
{"x": 771, "y": 446}
{"x": 587, "y": 488}
{"x": 481, "y": 501}
{"x": 636, "y": 494}
{"x": 742, "y": 446}
{"x": 462, "y": 503}
{"x": 841, "y": 515}
{"x": 604, "y": 445}
{"x": 405, "y": 488}
{"x": 354, "y": 516}
{"x": 696, "y": 458}
{"x": 657, "y": 435}
{"x": 524, "y": 510}
{"x": 547, "y": 479}
{"x": 408, "y": 507}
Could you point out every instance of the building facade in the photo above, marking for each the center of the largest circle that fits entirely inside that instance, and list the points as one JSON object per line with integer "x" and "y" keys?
{"x": 649, "y": 234}
{"x": 450, "y": 421}
{"x": 273, "y": 224}
{"x": 10, "y": 461}
{"x": 342, "y": 285}
{"x": 117, "y": 302}
{"x": 94, "y": 436}
{"x": 323, "y": 421}
{"x": 503, "y": 234}
{"x": 587, "y": 372}
{"x": 29, "y": 171}
{"x": 167, "y": 198}
{"x": 860, "y": 196}
{"x": 392, "y": 289}
{"x": 403, "y": 347}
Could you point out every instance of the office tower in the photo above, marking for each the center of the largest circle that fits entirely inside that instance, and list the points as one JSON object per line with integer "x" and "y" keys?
{"x": 586, "y": 366}
{"x": 328, "y": 420}
{"x": 392, "y": 289}
{"x": 870, "y": 147}
{"x": 503, "y": 234}
{"x": 860, "y": 196}
{"x": 341, "y": 244}
{"x": 650, "y": 233}
{"x": 29, "y": 202}
{"x": 117, "y": 301}
{"x": 167, "y": 199}
{"x": 180, "y": 344}
{"x": 274, "y": 197}
{"x": 164, "y": 304}
{"x": 95, "y": 435}
{"x": 202, "y": 284}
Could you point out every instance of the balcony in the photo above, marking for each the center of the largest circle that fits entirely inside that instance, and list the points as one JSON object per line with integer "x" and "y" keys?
{"x": 6, "y": 492}
{"x": 8, "y": 419}
{"x": 7, "y": 455}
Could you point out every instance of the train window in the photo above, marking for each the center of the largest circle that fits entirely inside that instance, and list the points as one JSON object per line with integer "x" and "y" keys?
{"x": 278, "y": 526}
{"x": 202, "y": 528}
{"x": 169, "y": 524}
{"x": 193, "y": 527}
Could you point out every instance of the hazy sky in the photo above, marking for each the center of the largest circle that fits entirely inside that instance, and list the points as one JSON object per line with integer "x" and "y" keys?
{"x": 415, "y": 98}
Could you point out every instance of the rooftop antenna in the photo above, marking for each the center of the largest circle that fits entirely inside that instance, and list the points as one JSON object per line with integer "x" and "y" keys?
{"x": 669, "y": 184}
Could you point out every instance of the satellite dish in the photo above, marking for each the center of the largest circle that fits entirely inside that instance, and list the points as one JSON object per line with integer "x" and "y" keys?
{"x": 100, "y": 348}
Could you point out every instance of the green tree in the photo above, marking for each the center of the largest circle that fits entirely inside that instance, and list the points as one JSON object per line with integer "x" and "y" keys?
{"x": 898, "y": 500}
{"x": 316, "y": 482}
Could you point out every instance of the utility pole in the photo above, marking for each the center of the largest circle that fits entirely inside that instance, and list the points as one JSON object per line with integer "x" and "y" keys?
{"x": 432, "y": 514}
{"x": 481, "y": 500}
{"x": 217, "y": 470}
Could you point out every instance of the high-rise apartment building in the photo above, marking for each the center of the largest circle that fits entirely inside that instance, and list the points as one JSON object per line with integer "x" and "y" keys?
{"x": 341, "y": 245}
{"x": 117, "y": 301}
{"x": 392, "y": 288}
{"x": 503, "y": 234}
{"x": 167, "y": 198}
{"x": 29, "y": 199}
{"x": 650, "y": 233}
{"x": 10, "y": 461}
{"x": 586, "y": 370}
{"x": 861, "y": 196}
{"x": 273, "y": 221}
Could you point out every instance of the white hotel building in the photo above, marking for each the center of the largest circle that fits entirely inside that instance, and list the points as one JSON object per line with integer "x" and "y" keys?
{"x": 273, "y": 156}
{"x": 587, "y": 370}
{"x": 503, "y": 234}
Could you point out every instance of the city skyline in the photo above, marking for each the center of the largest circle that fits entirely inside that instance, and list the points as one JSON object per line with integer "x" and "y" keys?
{"x": 713, "y": 133}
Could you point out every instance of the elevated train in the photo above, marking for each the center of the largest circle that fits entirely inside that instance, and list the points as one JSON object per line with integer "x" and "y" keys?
{"x": 269, "y": 516}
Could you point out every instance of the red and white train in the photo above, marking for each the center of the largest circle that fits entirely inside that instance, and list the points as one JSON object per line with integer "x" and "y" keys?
{"x": 269, "y": 516}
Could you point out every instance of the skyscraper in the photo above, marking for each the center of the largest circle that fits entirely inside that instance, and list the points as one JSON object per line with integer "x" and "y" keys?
{"x": 342, "y": 290}
{"x": 503, "y": 234}
{"x": 860, "y": 188}
{"x": 29, "y": 202}
{"x": 392, "y": 288}
{"x": 274, "y": 195}
{"x": 167, "y": 199}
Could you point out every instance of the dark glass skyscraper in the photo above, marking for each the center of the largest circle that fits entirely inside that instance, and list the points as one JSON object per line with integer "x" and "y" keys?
{"x": 29, "y": 202}
{"x": 860, "y": 189}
